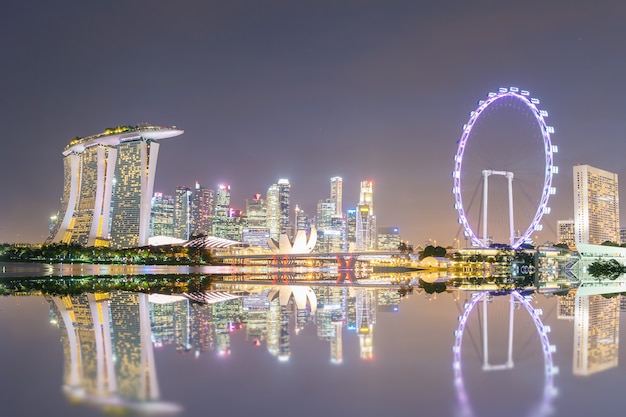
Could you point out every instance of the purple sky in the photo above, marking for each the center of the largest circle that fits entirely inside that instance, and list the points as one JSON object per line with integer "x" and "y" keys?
{"x": 303, "y": 90}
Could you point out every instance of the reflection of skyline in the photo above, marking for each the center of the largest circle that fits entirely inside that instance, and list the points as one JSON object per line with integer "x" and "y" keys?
{"x": 596, "y": 334}
{"x": 112, "y": 361}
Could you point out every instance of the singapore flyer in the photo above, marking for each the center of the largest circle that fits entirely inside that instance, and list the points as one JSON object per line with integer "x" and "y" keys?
{"x": 503, "y": 170}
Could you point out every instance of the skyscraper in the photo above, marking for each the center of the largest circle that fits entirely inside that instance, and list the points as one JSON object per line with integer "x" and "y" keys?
{"x": 278, "y": 202}
{"x": 182, "y": 212}
{"x": 256, "y": 212}
{"x": 162, "y": 215}
{"x": 284, "y": 200}
{"x": 256, "y": 232}
{"x": 109, "y": 180}
{"x": 366, "y": 233}
{"x": 302, "y": 219}
{"x": 565, "y": 232}
{"x": 220, "y": 212}
{"x": 202, "y": 210}
{"x": 336, "y": 194}
{"x": 596, "y": 205}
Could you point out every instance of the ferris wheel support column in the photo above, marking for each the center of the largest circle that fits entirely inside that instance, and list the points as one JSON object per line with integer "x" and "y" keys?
{"x": 509, "y": 176}
{"x": 486, "y": 365}
{"x": 486, "y": 174}
{"x": 511, "y": 313}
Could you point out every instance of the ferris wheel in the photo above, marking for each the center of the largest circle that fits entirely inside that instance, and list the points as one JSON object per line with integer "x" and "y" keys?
{"x": 503, "y": 170}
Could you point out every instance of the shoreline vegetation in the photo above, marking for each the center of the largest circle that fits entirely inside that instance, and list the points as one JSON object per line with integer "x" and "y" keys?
{"x": 61, "y": 253}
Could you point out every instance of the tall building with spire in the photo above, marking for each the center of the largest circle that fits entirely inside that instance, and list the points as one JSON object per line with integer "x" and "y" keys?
{"x": 596, "y": 205}
{"x": 108, "y": 186}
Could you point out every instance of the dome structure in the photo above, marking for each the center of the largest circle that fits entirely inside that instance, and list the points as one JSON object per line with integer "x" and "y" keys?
{"x": 302, "y": 296}
{"x": 301, "y": 244}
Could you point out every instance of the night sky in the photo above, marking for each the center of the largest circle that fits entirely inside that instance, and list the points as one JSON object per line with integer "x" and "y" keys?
{"x": 304, "y": 90}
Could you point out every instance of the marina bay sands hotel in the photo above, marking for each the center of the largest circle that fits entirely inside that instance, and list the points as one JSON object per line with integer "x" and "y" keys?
{"x": 108, "y": 184}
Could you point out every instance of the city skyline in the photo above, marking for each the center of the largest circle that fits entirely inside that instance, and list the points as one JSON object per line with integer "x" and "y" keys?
{"x": 305, "y": 91}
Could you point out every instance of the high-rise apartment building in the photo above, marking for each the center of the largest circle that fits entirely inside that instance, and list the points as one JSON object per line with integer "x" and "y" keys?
{"x": 107, "y": 192}
{"x": 202, "y": 210}
{"x": 182, "y": 212}
{"x": 596, "y": 205}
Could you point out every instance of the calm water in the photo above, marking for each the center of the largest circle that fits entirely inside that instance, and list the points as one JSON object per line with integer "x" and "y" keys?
{"x": 311, "y": 350}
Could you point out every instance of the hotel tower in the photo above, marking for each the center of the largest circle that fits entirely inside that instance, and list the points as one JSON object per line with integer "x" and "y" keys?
{"x": 596, "y": 205}
{"x": 108, "y": 184}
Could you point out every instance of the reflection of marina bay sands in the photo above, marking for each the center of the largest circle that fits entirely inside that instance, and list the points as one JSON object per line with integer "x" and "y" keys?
{"x": 109, "y": 338}
{"x": 109, "y": 360}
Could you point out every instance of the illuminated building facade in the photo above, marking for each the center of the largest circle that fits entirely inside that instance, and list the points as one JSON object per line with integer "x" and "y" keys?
{"x": 351, "y": 229}
{"x": 336, "y": 194}
{"x": 182, "y": 212}
{"x": 331, "y": 228}
{"x": 162, "y": 215}
{"x": 596, "y": 205}
{"x": 108, "y": 185}
{"x": 220, "y": 213}
{"x": 596, "y": 334}
{"x": 278, "y": 202}
{"x": 366, "y": 232}
{"x": 565, "y": 233}
{"x": 256, "y": 212}
{"x": 202, "y": 210}
{"x": 388, "y": 238}
{"x": 302, "y": 219}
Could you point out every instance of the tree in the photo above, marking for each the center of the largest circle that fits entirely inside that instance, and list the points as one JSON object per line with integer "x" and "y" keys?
{"x": 606, "y": 269}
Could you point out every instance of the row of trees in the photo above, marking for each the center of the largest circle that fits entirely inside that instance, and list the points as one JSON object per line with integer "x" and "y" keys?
{"x": 147, "y": 255}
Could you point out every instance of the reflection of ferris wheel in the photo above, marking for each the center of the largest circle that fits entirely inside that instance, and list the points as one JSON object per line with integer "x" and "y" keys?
{"x": 544, "y": 407}
{"x": 503, "y": 152}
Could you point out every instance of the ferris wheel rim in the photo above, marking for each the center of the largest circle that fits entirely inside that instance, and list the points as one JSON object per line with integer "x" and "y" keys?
{"x": 549, "y": 168}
